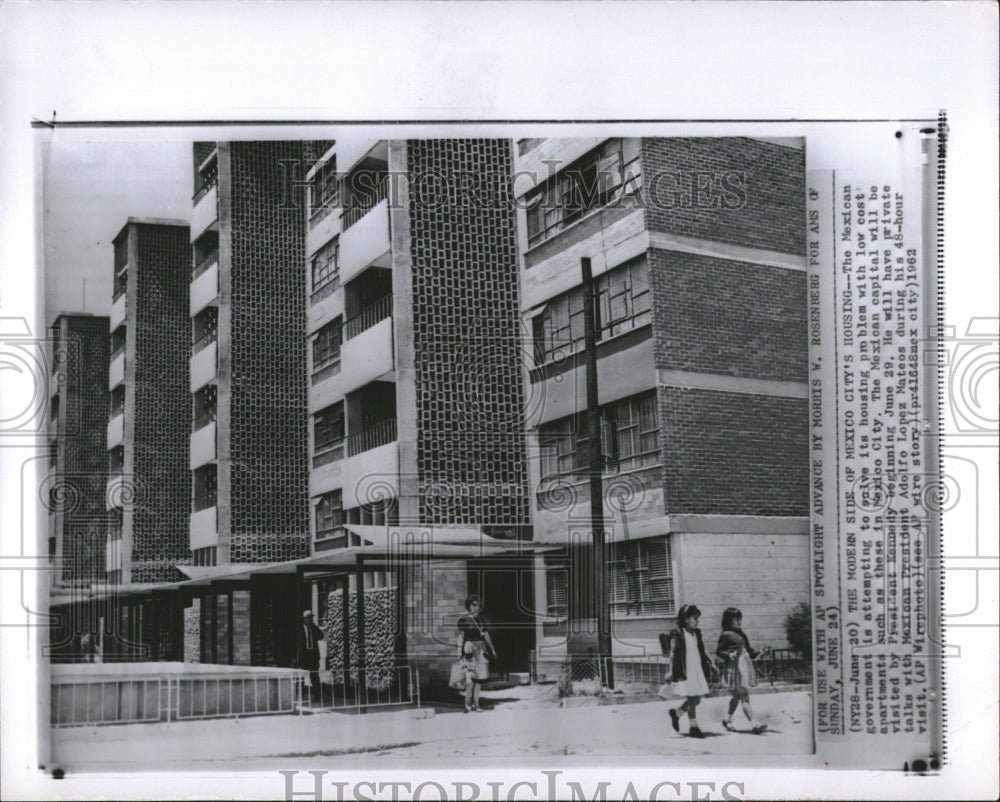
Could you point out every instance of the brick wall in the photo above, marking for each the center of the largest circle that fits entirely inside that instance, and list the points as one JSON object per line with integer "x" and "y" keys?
{"x": 469, "y": 394}
{"x": 83, "y": 442}
{"x": 435, "y": 600}
{"x": 726, "y": 317}
{"x": 770, "y": 216}
{"x": 733, "y": 453}
{"x": 268, "y": 418}
{"x": 162, "y": 421}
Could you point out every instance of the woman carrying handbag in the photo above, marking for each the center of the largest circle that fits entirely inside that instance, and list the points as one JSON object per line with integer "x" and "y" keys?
{"x": 475, "y": 651}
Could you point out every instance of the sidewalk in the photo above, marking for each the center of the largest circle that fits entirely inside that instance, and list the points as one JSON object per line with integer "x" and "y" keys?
{"x": 511, "y": 732}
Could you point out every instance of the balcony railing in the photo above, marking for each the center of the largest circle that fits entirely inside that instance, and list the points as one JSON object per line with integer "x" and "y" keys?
{"x": 326, "y": 453}
{"x": 380, "y": 434}
{"x": 116, "y": 349}
{"x": 210, "y": 179}
{"x": 115, "y": 462}
{"x": 202, "y": 420}
{"x": 205, "y": 263}
{"x": 361, "y": 205}
{"x": 118, "y": 408}
{"x": 119, "y": 290}
{"x": 204, "y": 341}
{"x": 205, "y": 499}
{"x": 368, "y": 317}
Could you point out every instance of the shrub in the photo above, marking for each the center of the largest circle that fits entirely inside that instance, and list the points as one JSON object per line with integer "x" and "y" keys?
{"x": 798, "y": 630}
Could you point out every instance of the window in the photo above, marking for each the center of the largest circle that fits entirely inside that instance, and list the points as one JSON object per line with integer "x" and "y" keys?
{"x": 631, "y": 433}
{"x": 641, "y": 579}
{"x": 328, "y": 435}
{"x": 330, "y": 515}
{"x": 205, "y": 487}
{"x": 602, "y": 176}
{"x": 325, "y": 270}
{"x": 326, "y": 350}
{"x": 623, "y": 303}
{"x": 556, "y": 591}
{"x": 325, "y": 190}
{"x": 629, "y": 439}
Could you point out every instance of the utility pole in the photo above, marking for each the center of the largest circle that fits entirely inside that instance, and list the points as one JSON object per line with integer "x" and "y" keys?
{"x": 596, "y": 469}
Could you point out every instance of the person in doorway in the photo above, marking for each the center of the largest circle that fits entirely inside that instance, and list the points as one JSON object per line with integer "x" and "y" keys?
{"x": 308, "y": 650}
{"x": 475, "y": 650}
{"x": 689, "y": 668}
{"x": 88, "y": 646}
{"x": 737, "y": 658}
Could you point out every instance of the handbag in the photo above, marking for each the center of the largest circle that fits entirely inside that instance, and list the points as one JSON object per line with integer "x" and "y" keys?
{"x": 491, "y": 654}
{"x": 457, "y": 678}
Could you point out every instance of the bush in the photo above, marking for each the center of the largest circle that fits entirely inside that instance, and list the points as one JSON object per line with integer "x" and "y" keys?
{"x": 798, "y": 630}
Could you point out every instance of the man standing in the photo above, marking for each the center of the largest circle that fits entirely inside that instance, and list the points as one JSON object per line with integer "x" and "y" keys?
{"x": 308, "y": 650}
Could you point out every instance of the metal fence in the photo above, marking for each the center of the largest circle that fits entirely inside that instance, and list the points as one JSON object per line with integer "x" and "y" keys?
{"x": 774, "y": 666}
{"x": 94, "y": 702}
{"x": 233, "y": 696}
{"x": 345, "y": 693}
{"x": 167, "y": 698}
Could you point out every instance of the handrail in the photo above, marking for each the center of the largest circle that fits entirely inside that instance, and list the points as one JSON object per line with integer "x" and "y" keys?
{"x": 368, "y": 317}
{"x": 204, "y": 341}
{"x": 380, "y": 434}
{"x": 205, "y": 263}
{"x": 362, "y": 204}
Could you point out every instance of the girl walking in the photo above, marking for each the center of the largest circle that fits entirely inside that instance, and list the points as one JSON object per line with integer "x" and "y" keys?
{"x": 689, "y": 668}
{"x": 738, "y": 656}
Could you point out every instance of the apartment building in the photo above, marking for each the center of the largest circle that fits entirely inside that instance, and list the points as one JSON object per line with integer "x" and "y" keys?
{"x": 78, "y": 467}
{"x": 147, "y": 446}
{"x": 249, "y": 463}
{"x": 416, "y": 397}
{"x": 697, "y": 249}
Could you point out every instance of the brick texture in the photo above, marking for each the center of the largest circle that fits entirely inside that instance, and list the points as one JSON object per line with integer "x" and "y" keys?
{"x": 733, "y": 454}
{"x": 77, "y": 488}
{"x": 773, "y": 177}
{"x": 725, "y": 317}
{"x": 192, "y": 632}
{"x": 162, "y": 420}
{"x": 268, "y": 415}
{"x": 470, "y": 407}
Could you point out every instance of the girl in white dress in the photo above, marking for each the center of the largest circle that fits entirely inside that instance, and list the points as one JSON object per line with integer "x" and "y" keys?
{"x": 690, "y": 668}
{"x": 738, "y": 656}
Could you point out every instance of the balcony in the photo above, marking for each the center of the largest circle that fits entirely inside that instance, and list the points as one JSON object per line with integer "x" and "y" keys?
{"x": 205, "y": 213}
{"x": 116, "y": 371}
{"x": 382, "y": 433}
{"x": 116, "y": 430}
{"x": 203, "y": 366}
{"x": 120, "y": 285}
{"x": 367, "y": 241}
{"x": 204, "y": 284}
{"x": 368, "y": 317}
{"x": 205, "y": 498}
{"x": 203, "y": 444}
{"x": 204, "y": 528}
{"x": 117, "y": 313}
{"x": 368, "y": 355}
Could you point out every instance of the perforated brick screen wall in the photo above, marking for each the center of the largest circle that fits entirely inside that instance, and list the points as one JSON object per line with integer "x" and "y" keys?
{"x": 771, "y": 215}
{"x": 162, "y": 421}
{"x": 268, "y": 417}
{"x": 83, "y": 398}
{"x": 470, "y": 406}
